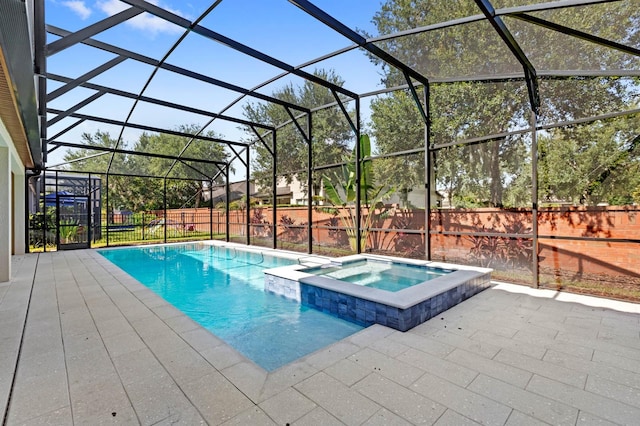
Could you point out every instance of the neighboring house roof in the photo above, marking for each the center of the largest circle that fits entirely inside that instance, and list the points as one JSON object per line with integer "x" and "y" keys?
{"x": 236, "y": 191}
{"x": 280, "y": 190}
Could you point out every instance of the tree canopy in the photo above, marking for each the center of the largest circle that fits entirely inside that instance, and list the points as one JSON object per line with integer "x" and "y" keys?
{"x": 137, "y": 182}
{"x": 331, "y": 136}
{"x": 397, "y": 126}
{"x": 497, "y": 172}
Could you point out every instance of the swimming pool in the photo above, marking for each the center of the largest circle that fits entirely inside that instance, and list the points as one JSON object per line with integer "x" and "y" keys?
{"x": 222, "y": 289}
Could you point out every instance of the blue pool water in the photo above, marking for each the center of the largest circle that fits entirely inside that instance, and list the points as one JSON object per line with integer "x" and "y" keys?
{"x": 390, "y": 276}
{"x": 223, "y": 290}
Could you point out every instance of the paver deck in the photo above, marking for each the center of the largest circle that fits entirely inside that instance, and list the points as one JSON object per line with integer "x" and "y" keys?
{"x": 81, "y": 342}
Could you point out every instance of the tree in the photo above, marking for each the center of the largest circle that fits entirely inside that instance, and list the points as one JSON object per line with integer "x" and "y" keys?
{"x": 331, "y": 134}
{"x": 137, "y": 182}
{"x": 459, "y": 110}
{"x": 188, "y": 190}
{"x": 397, "y": 126}
{"x": 591, "y": 164}
{"x": 494, "y": 173}
{"x": 121, "y": 194}
{"x": 91, "y": 159}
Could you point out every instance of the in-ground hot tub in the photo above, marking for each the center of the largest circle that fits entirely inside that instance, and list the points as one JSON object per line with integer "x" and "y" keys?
{"x": 381, "y": 274}
{"x": 365, "y": 289}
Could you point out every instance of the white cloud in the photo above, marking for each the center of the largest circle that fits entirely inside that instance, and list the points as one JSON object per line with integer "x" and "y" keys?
{"x": 146, "y": 22}
{"x": 79, "y": 8}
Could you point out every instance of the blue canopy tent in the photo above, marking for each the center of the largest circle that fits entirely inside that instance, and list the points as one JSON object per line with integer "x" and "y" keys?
{"x": 66, "y": 199}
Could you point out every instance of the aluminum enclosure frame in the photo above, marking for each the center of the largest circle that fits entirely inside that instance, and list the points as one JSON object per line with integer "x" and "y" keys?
{"x": 239, "y": 150}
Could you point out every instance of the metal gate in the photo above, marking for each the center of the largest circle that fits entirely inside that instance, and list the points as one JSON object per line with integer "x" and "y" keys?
{"x": 73, "y": 221}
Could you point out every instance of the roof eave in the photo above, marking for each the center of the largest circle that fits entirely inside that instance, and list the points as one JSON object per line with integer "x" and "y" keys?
{"x": 18, "y": 105}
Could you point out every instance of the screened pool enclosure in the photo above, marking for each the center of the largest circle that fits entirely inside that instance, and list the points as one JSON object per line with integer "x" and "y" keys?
{"x": 499, "y": 133}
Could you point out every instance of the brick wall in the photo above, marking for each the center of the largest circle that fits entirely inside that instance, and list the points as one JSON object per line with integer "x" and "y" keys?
{"x": 579, "y": 256}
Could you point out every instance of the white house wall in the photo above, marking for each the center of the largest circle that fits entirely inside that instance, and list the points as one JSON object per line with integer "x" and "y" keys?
{"x": 12, "y": 206}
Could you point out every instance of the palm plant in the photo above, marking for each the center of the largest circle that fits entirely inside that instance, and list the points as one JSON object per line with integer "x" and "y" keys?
{"x": 341, "y": 189}
{"x": 68, "y": 229}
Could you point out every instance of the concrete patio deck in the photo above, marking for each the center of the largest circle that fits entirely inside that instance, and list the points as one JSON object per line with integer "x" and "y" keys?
{"x": 93, "y": 346}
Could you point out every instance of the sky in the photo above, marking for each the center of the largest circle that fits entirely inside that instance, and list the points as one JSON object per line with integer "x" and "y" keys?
{"x": 275, "y": 27}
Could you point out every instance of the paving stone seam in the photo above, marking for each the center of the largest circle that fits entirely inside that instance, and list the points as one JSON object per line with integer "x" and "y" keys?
{"x": 62, "y": 335}
{"x": 102, "y": 266}
{"x": 596, "y": 395}
{"x": 5, "y": 414}
{"x": 103, "y": 344}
